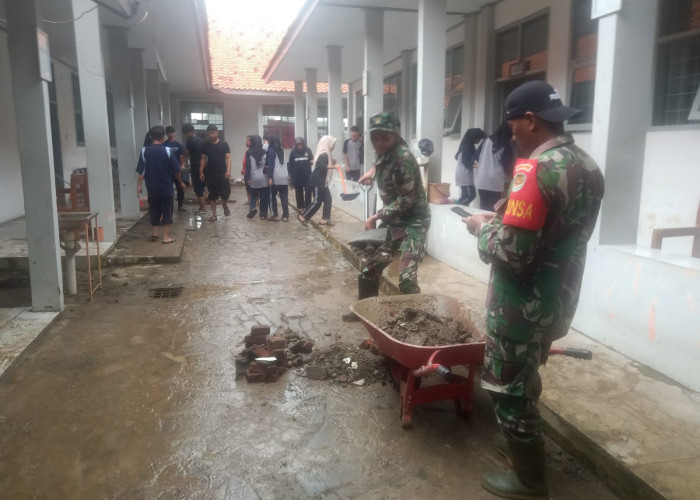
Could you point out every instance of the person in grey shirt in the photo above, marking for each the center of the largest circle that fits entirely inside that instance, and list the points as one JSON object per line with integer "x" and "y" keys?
{"x": 354, "y": 154}
{"x": 494, "y": 164}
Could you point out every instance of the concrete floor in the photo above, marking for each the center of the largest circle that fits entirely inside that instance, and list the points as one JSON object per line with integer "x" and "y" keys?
{"x": 133, "y": 397}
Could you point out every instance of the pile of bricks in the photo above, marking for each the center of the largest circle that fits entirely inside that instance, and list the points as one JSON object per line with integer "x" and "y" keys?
{"x": 260, "y": 344}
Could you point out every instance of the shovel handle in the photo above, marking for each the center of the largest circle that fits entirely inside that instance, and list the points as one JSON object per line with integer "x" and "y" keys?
{"x": 342, "y": 178}
{"x": 572, "y": 352}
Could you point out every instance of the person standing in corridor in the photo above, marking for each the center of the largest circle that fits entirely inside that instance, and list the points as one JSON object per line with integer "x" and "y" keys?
{"x": 536, "y": 244}
{"x": 354, "y": 154}
{"x": 215, "y": 169}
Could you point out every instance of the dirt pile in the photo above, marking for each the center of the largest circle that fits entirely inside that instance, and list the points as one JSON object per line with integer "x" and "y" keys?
{"x": 417, "y": 327}
{"x": 344, "y": 363}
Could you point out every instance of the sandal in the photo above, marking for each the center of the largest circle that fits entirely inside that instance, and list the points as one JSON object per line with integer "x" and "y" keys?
{"x": 285, "y": 219}
{"x": 326, "y": 223}
{"x": 171, "y": 240}
{"x": 303, "y": 221}
{"x": 213, "y": 218}
{"x": 153, "y": 238}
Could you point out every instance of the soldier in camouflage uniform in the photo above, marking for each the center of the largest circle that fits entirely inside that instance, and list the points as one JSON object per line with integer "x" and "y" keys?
{"x": 405, "y": 214}
{"x": 536, "y": 245}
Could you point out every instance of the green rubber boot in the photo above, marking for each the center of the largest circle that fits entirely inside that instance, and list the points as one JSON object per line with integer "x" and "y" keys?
{"x": 365, "y": 288}
{"x": 527, "y": 479}
{"x": 500, "y": 444}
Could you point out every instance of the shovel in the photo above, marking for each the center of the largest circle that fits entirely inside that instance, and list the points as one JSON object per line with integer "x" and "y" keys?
{"x": 344, "y": 195}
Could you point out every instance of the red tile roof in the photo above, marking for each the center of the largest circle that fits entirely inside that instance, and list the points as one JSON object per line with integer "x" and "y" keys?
{"x": 239, "y": 59}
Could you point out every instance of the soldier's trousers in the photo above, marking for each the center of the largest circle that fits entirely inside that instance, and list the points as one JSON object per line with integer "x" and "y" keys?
{"x": 410, "y": 241}
{"x": 511, "y": 376}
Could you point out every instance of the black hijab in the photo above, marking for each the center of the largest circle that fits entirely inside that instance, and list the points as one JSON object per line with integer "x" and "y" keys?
{"x": 501, "y": 140}
{"x": 467, "y": 146}
{"x": 256, "y": 150}
{"x": 277, "y": 145}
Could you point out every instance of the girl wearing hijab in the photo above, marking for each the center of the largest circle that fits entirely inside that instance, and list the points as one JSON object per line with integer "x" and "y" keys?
{"x": 464, "y": 176}
{"x": 256, "y": 176}
{"x": 320, "y": 178}
{"x": 279, "y": 178}
{"x": 495, "y": 165}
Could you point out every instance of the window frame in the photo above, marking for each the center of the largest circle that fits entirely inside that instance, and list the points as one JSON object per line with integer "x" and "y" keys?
{"x": 576, "y": 63}
{"x": 77, "y": 110}
{"x": 396, "y": 110}
{"x": 455, "y": 127}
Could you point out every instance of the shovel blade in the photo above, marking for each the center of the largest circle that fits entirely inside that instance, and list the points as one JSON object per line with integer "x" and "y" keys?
{"x": 349, "y": 196}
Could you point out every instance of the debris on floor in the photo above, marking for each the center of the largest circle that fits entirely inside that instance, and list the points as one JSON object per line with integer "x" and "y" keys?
{"x": 344, "y": 363}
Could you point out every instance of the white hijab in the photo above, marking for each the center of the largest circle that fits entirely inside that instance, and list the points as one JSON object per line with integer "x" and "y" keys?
{"x": 326, "y": 145}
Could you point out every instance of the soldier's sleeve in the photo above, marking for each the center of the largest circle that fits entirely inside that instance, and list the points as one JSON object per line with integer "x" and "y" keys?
{"x": 513, "y": 237}
{"x": 403, "y": 176}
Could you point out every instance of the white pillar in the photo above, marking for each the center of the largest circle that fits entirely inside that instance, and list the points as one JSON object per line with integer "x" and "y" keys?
{"x": 483, "y": 87}
{"x": 352, "y": 103}
{"x": 123, "y": 120}
{"x": 623, "y": 105}
{"x": 432, "y": 29}
{"x": 165, "y": 102}
{"x": 138, "y": 88}
{"x": 336, "y": 127}
{"x": 93, "y": 95}
{"x": 469, "y": 65}
{"x": 31, "y": 99}
{"x": 374, "y": 73}
{"x": 299, "y": 111}
{"x": 405, "y": 94}
{"x": 311, "y": 109}
{"x": 153, "y": 99}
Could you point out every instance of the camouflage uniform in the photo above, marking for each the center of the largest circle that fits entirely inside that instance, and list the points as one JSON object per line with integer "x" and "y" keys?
{"x": 536, "y": 279}
{"x": 406, "y": 213}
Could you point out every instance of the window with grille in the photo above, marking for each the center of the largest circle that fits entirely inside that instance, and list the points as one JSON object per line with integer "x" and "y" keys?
{"x": 677, "y": 92}
{"x": 522, "y": 49}
{"x": 78, "y": 111}
{"x": 202, "y": 114}
{"x": 454, "y": 87}
{"x": 391, "y": 94}
{"x": 584, "y": 46}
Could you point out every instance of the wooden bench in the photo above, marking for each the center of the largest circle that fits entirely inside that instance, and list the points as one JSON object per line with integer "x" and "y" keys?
{"x": 78, "y": 194}
{"x": 658, "y": 235}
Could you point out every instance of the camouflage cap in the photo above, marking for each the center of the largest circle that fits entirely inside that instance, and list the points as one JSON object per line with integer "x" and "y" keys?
{"x": 385, "y": 121}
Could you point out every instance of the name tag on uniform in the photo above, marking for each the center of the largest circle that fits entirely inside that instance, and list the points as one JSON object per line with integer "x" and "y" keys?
{"x": 526, "y": 207}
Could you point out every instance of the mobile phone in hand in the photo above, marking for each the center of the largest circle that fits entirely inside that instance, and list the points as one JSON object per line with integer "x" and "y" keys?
{"x": 461, "y": 212}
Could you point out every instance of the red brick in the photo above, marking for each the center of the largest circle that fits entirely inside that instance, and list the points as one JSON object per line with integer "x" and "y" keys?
{"x": 260, "y": 352}
{"x": 272, "y": 373}
{"x": 254, "y": 377}
{"x": 260, "y": 331}
{"x": 276, "y": 343}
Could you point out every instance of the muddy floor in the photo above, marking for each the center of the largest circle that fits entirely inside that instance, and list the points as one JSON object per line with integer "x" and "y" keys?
{"x": 135, "y": 397}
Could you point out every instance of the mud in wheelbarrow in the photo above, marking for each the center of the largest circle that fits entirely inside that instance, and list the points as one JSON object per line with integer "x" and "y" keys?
{"x": 411, "y": 363}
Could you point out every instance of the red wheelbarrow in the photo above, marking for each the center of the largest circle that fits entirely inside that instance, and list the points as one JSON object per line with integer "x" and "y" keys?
{"x": 410, "y": 363}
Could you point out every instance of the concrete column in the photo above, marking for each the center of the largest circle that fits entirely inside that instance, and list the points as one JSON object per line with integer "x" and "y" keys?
{"x": 93, "y": 95}
{"x": 485, "y": 55}
{"x": 165, "y": 102}
{"x": 432, "y": 26}
{"x": 470, "y": 50}
{"x": 31, "y": 98}
{"x": 405, "y": 94}
{"x": 352, "y": 104}
{"x": 623, "y": 105}
{"x": 374, "y": 73}
{"x": 124, "y": 120}
{"x": 138, "y": 88}
{"x": 336, "y": 126}
{"x": 153, "y": 98}
{"x": 311, "y": 109}
{"x": 299, "y": 111}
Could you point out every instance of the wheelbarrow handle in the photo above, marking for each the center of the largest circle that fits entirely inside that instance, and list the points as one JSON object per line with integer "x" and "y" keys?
{"x": 572, "y": 352}
{"x": 441, "y": 370}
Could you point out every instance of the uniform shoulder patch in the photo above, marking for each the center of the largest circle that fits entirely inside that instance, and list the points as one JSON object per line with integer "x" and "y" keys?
{"x": 526, "y": 207}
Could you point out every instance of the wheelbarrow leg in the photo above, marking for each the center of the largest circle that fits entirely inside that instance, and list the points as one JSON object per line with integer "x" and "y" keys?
{"x": 464, "y": 406}
{"x": 407, "y": 387}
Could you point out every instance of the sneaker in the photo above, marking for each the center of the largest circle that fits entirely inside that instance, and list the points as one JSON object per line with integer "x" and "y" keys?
{"x": 254, "y": 211}
{"x": 251, "y": 214}
{"x": 181, "y": 209}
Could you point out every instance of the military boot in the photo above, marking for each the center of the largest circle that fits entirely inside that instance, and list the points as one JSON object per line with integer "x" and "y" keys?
{"x": 366, "y": 288}
{"x": 500, "y": 444}
{"x": 527, "y": 479}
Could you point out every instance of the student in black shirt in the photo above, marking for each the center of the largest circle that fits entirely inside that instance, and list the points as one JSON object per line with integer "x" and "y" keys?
{"x": 176, "y": 148}
{"x": 193, "y": 152}
{"x": 158, "y": 165}
{"x": 215, "y": 168}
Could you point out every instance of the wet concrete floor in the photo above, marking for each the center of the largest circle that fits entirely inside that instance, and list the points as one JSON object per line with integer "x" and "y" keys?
{"x": 131, "y": 397}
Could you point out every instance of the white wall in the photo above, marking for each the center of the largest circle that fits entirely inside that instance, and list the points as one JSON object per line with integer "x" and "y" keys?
{"x": 670, "y": 187}
{"x": 241, "y": 117}
{"x": 11, "y": 194}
